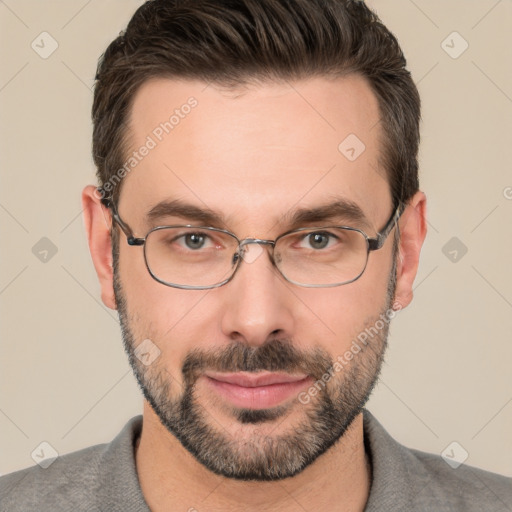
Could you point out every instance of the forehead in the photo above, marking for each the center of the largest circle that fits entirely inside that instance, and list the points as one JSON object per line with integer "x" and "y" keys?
{"x": 256, "y": 153}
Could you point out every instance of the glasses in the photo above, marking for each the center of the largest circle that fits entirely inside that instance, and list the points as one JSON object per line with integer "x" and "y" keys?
{"x": 203, "y": 257}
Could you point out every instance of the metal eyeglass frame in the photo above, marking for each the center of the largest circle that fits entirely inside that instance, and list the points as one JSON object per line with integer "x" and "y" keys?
{"x": 372, "y": 244}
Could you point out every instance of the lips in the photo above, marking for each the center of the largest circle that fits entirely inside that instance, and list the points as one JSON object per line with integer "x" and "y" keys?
{"x": 260, "y": 390}
{"x": 251, "y": 380}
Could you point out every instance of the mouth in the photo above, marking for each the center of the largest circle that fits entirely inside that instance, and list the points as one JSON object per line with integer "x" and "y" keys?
{"x": 260, "y": 390}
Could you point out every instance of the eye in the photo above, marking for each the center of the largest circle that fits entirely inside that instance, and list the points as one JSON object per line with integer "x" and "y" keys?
{"x": 319, "y": 240}
{"x": 193, "y": 240}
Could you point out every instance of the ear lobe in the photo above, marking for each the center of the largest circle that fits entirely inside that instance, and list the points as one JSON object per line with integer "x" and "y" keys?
{"x": 413, "y": 230}
{"x": 97, "y": 228}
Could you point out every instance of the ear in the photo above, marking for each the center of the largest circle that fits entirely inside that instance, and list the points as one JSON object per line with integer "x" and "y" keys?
{"x": 413, "y": 229}
{"x": 97, "y": 223}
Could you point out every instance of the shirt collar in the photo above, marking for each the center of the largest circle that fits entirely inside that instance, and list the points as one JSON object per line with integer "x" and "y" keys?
{"x": 397, "y": 477}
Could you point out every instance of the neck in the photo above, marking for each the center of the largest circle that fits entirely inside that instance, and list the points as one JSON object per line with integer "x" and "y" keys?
{"x": 172, "y": 479}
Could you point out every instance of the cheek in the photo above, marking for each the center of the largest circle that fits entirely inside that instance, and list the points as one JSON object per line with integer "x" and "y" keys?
{"x": 341, "y": 313}
{"x": 175, "y": 320}
{"x": 153, "y": 308}
{"x": 149, "y": 300}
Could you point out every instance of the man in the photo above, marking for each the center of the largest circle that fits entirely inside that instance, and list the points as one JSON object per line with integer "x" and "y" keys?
{"x": 258, "y": 215}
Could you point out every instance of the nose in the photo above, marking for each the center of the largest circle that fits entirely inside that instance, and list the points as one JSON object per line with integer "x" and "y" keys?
{"x": 257, "y": 304}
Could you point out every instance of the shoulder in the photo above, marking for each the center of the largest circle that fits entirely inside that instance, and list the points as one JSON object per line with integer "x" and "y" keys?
{"x": 70, "y": 478}
{"x": 412, "y": 480}
{"x": 464, "y": 487}
{"x": 100, "y": 477}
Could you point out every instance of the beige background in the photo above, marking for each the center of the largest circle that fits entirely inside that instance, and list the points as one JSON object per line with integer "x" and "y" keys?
{"x": 64, "y": 378}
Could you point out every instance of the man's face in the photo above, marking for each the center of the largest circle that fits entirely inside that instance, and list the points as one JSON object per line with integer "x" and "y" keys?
{"x": 254, "y": 159}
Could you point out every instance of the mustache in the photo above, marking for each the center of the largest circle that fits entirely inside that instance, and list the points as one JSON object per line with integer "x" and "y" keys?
{"x": 275, "y": 355}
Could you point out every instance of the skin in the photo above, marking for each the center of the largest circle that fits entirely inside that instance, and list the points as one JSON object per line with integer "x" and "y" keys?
{"x": 253, "y": 155}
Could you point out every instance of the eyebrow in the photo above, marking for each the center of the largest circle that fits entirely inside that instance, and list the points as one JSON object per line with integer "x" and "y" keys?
{"x": 188, "y": 211}
{"x": 341, "y": 209}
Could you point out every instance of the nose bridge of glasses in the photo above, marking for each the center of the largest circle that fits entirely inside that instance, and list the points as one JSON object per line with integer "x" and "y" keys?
{"x": 247, "y": 241}
{"x": 242, "y": 250}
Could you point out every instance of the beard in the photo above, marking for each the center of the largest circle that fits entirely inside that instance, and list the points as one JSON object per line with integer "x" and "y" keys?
{"x": 263, "y": 457}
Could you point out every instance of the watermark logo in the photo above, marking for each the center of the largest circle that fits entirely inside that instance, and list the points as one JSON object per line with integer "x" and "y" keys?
{"x": 44, "y": 250}
{"x": 454, "y": 249}
{"x": 454, "y": 455}
{"x": 44, "y": 45}
{"x": 454, "y": 45}
{"x": 147, "y": 352}
{"x": 352, "y": 147}
{"x": 44, "y": 455}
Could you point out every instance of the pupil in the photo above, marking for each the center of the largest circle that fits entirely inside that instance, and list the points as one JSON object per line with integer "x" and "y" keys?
{"x": 194, "y": 241}
{"x": 318, "y": 240}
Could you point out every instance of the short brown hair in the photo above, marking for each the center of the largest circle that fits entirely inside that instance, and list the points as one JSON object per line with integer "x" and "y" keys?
{"x": 237, "y": 42}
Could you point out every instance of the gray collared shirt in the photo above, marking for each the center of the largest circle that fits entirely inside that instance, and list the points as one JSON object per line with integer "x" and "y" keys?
{"x": 104, "y": 478}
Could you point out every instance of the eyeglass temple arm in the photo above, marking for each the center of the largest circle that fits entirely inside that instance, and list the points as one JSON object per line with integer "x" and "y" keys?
{"x": 108, "y": 203}
{"x": 378, "y": 241}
